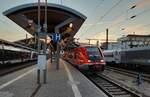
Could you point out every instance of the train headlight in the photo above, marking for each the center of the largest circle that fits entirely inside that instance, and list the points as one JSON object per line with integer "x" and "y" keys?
{"x": 89, "y": 61}
{"x": 102, "y": 61}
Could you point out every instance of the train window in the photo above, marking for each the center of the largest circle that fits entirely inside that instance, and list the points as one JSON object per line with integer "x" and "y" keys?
{"x": 94, "y": 53}
{"x": 108, "y": 54}
{"x": 92, "y": 49}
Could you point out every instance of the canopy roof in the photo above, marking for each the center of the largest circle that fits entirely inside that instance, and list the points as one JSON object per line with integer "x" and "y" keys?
{"x": 26, "y": 16}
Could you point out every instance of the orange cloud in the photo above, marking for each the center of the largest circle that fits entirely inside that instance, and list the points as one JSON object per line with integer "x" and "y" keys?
{"x": 142, "y": 4}
{"x": 102, "y": 36}
{"x": 117, "y": 21}
{"x": 136, "y": 30}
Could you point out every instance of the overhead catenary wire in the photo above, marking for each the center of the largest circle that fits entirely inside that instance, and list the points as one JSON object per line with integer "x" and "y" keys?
{"x": 121, "y": 14}
{"x": 121, "y": 22}
{"x": 134, "y": 6}
{"x": 145, "y": 25}
{"x": 141, "y": 13}
{"x": 134, "y": 16}
{"x": 126, "y": 12}
{"x": 93, "y": 11}
{"x": 103, "y": 16}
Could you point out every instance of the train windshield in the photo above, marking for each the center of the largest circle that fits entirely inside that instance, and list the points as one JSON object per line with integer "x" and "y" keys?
{"x": 94, "y": 53}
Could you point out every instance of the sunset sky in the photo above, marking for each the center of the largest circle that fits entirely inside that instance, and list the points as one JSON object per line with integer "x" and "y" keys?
{"x": 101, "y": 14}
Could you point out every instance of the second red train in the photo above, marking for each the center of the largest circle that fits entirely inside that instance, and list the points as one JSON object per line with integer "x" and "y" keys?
{"x": 86, "y": 58}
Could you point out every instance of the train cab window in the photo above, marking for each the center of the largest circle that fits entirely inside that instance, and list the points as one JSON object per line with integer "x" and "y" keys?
{"x": 94, "y": 53}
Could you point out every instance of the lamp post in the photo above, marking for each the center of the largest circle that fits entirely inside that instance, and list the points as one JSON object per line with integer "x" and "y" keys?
{"x": 42, "y": 55}
{"x": 39, "y": 30}
{"x": 45, "y": 45}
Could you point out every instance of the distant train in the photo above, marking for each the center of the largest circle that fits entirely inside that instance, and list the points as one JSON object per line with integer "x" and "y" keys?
{"x": 11, "y": 53}
{"x": 86, "y": 57}
{"x": 133, "y": 57}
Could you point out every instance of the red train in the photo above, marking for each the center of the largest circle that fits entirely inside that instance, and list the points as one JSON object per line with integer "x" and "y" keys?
{"x": 86, "y": 57}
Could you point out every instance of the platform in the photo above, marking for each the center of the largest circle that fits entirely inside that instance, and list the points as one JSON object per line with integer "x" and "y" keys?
{"x": 65, "y": 82}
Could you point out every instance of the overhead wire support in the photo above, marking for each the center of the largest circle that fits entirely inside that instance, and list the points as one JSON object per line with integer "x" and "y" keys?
{"x": 110, "y": 10}
{"x": 104, "y": 15}
{"x": 121, "y": 14}
{"x": 140, "y": 13}
{"x": 131, "y": 8}
{"x": 120, "y": 23}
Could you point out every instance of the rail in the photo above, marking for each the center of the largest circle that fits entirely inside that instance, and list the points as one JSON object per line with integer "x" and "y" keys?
{"x": 111, "y": 88}
{"x": 130, "y": 73}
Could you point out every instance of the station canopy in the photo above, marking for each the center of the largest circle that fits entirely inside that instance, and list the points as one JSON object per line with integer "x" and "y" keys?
{"x": 58, "y": 16}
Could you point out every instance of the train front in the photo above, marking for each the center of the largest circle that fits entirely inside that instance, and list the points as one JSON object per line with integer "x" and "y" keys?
{"x": 96, "y": 58}
{"x": 92, "y": 58}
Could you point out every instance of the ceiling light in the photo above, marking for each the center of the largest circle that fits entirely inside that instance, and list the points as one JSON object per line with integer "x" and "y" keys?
{"x": 70, "y": 25}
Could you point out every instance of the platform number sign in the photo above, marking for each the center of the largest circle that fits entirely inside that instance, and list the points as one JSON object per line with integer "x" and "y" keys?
{"x": 56, "y": 37}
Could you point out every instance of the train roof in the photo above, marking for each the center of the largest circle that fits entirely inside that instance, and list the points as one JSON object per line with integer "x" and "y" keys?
{"x": 14, "y": 44}
{"x": 88, "y": 46}
{"x": 137, "y": 48}
{"x": 132, "y": 35}
{"x": 109, "y": 50}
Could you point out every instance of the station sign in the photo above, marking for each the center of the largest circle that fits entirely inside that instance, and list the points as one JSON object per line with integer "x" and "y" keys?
{"x": 56, "y": 37}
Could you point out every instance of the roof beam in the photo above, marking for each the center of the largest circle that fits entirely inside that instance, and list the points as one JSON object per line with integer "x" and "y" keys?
{"x": 67, "y": 21}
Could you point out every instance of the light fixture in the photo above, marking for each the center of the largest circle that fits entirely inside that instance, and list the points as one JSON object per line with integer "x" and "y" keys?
{"x": 30, "y": 22}
{"x": 123, "y": 29}
{"x": 133, "y": 7}
{"x": 70, "y": 25}
{"x": 133, "y": 16}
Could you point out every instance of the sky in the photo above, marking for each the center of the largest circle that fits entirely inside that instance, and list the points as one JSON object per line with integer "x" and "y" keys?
{"x": 101, "y": 14}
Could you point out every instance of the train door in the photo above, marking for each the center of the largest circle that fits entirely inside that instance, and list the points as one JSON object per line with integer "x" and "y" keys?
{"x": 31, "y": 55}
{"x": 117, "y": 56}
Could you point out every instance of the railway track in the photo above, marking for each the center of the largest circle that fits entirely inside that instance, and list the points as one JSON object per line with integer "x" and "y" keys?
{"x": 111, "y": 88}
{"x": 134, "y": 74}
